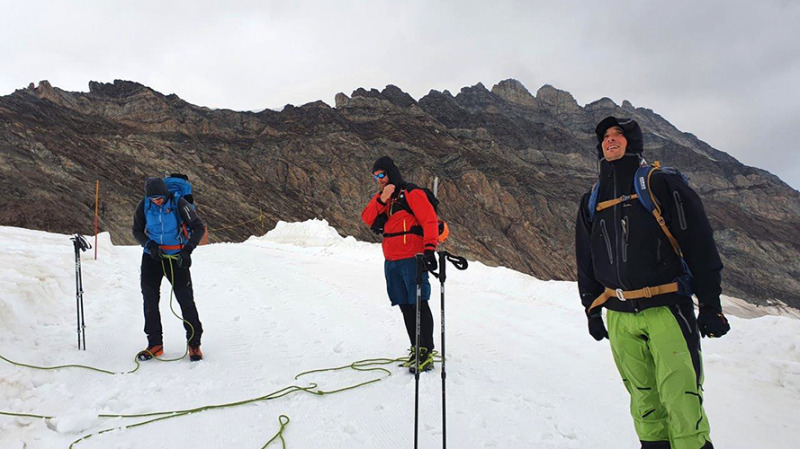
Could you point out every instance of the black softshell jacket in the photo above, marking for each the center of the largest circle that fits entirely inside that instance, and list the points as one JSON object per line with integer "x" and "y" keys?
{"x": 624, "y": 247}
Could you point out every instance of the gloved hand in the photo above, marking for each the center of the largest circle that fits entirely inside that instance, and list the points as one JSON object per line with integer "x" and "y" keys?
{"x": 429, "y": 259}
{"x": 155, "y": 251}
{"x": 712, "y": 324}
{"x": 596, "y": 327}
{"x": 185, "y": 258}
{"x": 378, "y": 224}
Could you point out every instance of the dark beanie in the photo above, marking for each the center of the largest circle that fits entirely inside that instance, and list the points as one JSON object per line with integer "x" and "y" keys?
{"x": 386, "y": 164}
{"x": 155, "y": 187}
{"x": 630, "y": 129}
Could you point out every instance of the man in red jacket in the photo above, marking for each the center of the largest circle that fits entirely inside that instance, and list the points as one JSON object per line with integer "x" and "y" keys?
{"x": 402, "y": 213}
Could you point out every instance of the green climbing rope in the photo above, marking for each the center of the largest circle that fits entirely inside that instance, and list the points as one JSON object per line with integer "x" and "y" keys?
{"x": 366, "y": 365}
{"x": 135, "y": 359}
{"x": 280, "y": 432}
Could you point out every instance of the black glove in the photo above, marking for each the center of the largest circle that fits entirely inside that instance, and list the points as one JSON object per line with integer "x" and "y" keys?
{"x": 378, "y": 224}
{"x": 155, "y": 251}
{"x": 185, "y": 258}
{"x": 429, "y": 259}
{"x": 596, "y": 326}
{"x": 712, "y": 324}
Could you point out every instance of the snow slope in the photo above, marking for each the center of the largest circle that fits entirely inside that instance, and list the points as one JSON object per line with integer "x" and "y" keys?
{"x": 522, "y": 370}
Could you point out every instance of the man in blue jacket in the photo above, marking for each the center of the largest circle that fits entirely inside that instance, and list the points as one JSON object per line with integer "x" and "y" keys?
{"x": 166, "y": 227}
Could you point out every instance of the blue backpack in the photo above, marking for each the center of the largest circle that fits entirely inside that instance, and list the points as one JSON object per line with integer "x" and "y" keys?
{"x": 178, "y": 184}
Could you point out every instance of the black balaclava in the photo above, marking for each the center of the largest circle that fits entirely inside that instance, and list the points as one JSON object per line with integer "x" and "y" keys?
{"x": 155, "y": 187}
{"x": 630, "y": 129}
{"x": 386, "y": 164}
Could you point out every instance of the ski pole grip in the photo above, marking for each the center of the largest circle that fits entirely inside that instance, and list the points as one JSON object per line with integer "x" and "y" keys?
{"x": 459, "y": 262}
{"x": 420, "y": 268}
{"x": 442, "y": 266}
{"x": 80, "y": 243}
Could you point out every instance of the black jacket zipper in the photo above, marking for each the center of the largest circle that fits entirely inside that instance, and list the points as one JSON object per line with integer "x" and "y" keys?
{"x": 616, "y": 232}
{"x": 681, "y": 213}
{"x": 604, "y": 233}
{"x": 625, "y": 232}
{"x": 680, "y": 314}
{"x": 658, "y": 250}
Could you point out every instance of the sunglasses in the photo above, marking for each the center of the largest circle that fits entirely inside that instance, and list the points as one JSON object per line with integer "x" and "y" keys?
{"x": 379, "y": 176}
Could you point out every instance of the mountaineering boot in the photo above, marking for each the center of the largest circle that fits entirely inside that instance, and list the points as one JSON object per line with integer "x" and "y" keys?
{"x": 195, "y": 353}
{"x": 410, "y": 360}
{"x": 150, "y": 352}
{"x": 425, "y": 361}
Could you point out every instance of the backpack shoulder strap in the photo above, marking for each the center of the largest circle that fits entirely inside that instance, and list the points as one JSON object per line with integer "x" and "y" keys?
{"x": 592, "y": 206}
{"x": 174, "y": 201}
{"x": 401, "y": 197}
{"x": 641, "y": 183}
{"x": 183, "y": 230}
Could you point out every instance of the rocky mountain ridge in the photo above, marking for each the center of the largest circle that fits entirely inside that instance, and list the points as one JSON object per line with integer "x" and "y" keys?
{"x": 512, "y": 166}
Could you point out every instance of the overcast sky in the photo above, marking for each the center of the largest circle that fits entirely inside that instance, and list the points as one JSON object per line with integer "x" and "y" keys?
{"x": 726, "y": 71}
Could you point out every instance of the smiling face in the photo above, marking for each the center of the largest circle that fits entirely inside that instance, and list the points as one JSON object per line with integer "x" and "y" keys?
{"x": 614, "y": 144}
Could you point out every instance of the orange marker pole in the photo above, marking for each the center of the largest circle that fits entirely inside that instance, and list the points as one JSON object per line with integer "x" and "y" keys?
{"x": 96, "y": 203}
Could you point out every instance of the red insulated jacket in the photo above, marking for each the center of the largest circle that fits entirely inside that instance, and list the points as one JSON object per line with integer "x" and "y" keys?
{"x": 400, "y": 240}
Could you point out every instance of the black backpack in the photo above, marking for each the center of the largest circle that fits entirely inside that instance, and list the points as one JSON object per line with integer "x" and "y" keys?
{"x": 402, "y": 204}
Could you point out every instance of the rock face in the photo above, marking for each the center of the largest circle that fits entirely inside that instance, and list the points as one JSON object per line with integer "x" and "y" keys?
{"x": 512, "y": 167}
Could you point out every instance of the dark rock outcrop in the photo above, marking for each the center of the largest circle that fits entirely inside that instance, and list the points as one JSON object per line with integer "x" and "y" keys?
{"x": 512, "y": 165}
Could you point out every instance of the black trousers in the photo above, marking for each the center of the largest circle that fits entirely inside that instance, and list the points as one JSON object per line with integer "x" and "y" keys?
{"x": 425, "y": 324}
{"x": 152, "y": 274}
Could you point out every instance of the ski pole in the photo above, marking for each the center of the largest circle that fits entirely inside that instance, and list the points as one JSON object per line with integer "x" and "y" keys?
{"x": 461, "y": 264}
{"x": 79, "y": 244}
{"x": 83, "y": 322}
{"x": 420, "y": 269}
{"x": 442, "y": 277}
{"x": 77, "y": 290}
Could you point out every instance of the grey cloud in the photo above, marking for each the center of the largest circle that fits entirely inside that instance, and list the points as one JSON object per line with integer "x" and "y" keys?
{"x": 713, "y": 68}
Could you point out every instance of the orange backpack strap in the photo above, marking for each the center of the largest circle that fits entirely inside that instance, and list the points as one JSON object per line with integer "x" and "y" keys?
{"x": 657, "y": 214}
{"x": 615, "y": 201}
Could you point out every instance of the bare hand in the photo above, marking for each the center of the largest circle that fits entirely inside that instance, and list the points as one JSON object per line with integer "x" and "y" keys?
{"x": 387, "y": 192}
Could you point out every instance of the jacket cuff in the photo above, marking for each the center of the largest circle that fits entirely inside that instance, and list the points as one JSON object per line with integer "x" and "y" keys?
{"x": 381, "y": 201}
{"x": 710, "y": 309}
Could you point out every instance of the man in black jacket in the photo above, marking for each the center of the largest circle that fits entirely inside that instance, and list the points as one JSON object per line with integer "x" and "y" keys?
{"x": 158, "y": 227}
{"x": 643, "y": 269}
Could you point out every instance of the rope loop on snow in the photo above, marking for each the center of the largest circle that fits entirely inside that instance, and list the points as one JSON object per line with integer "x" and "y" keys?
{"x": 367, "y": 365}
{"x": 375, "y": 365}
{"x": 284, "y": 420}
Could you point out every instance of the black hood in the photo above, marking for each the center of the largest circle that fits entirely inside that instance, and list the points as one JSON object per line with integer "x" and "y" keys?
{"x": 386, "y": 164}
{"x": 631, "y": 130}
{"x": 155, "y": 187}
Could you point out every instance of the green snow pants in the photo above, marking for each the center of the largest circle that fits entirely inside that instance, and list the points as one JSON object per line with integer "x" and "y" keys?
{"x": 657, "y": 353}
